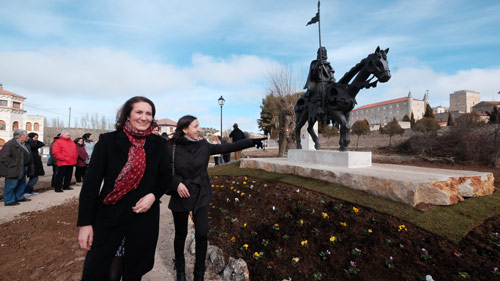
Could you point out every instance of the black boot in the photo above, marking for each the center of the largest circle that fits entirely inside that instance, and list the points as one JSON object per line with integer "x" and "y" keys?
{"x": 180, "y": 268}
{"x": 199, "y": 273}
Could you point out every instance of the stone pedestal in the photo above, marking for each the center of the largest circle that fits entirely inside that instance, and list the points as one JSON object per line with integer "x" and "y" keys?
{"x": 406, "y": 184}
{"x": 305, "y": 139}
{"x": 345, "y": 159}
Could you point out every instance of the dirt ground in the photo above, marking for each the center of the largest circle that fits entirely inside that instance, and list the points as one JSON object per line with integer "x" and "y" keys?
{"x": 38, "y": 240}
{"x": 269, "y": 224}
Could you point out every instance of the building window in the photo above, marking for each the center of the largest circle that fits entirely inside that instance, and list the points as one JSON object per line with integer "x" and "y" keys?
{"x": 15, "y": 126}
{"x": 16, "y": 104}
{"x": 3, "y": 103}
{"x": 2, "y": 125}
{"x": 36, "y": 127}
{"x": 28, "y": 126}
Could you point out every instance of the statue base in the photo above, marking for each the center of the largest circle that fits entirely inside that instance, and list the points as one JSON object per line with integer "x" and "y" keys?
{"x": 344, "y": 159}
{"x": 305, "y": 139}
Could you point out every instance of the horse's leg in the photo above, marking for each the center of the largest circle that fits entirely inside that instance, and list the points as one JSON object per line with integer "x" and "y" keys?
{"x": 344, "y": 129}
{"x": 347, "y": 135}
{"x": 315, "y": 138}
{"x": 300, "y": 120}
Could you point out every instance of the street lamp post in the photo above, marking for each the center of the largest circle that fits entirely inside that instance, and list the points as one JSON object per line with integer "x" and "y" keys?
{"x": 221, "y": 101}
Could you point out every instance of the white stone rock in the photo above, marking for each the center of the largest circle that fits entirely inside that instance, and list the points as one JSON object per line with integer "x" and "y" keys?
{"x": 407, "y": 184}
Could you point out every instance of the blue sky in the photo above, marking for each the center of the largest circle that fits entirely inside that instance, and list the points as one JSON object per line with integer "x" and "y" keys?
{"x": 93, "y": 55}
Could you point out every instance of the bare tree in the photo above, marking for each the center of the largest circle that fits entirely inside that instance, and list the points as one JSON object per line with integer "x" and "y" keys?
{"x": 285, "y": 91}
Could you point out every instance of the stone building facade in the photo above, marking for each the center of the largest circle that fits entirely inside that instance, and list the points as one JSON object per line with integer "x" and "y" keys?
{"x": 464, "y": 100}
{"x": 383, "y": 112}
{"x": 485, "y": 106}
{"x": 13, "y": 117}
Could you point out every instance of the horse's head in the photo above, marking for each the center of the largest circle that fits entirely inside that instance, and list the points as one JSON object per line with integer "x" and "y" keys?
{"x": 378, "y": 65}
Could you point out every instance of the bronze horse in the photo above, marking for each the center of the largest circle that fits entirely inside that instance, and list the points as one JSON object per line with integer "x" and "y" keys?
{"x": 341, "y": 98}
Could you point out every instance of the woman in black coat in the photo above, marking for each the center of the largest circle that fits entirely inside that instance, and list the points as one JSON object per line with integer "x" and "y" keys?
{"x": 34, "y": 144}
{"x": 119, "y": 222}
{"x": 190, "y": 188}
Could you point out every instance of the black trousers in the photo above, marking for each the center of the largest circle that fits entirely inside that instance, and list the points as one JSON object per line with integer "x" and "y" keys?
{"x": 63, "y": 177}
{"x": 80, "y": 173}
{"x": 54, "y": 174}
{"x": 200, "y": 235}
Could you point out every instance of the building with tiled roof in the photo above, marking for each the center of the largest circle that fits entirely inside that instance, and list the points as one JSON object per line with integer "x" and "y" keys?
{"x": 486, "y": 106}
{"x": 13, "y": 117}
{"x": 384, "y": 111}
{"x": 166, "y": 126}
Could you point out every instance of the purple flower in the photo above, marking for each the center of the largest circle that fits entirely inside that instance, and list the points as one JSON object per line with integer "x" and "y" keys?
{"x": 353, "y": 264}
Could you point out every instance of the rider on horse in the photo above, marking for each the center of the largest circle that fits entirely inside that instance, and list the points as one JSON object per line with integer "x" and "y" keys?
{"x": 320, "y": 75}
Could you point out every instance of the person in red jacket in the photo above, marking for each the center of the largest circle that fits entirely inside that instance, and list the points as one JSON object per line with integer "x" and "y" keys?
{"x": 64, "y": 150}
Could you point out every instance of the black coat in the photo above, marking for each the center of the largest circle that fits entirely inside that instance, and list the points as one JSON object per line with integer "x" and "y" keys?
{"x": 113, "y": 222}
{"x": 191, "y": 163}
{"x": 237, "y": 135}
{"x": 37, "y": 159}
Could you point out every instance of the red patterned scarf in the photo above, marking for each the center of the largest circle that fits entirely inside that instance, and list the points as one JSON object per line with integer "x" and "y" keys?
{"x": 131, "y": 174}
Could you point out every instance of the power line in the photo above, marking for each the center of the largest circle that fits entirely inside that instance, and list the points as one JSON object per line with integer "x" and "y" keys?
{"x": 76, "y": 118}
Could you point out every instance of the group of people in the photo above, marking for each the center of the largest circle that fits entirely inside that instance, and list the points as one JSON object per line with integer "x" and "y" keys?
{"x": 65, "y": 154}
{"x": 21, "y": 163}
{"x": 130, "y": 169}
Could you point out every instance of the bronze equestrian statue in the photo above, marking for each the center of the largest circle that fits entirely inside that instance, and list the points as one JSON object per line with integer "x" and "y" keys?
{"x": 328, "y": 101}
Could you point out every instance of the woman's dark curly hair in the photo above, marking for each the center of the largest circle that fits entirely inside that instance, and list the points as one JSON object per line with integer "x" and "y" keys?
{"x": 124, "y": 112}
{"x": 182, "y": 124}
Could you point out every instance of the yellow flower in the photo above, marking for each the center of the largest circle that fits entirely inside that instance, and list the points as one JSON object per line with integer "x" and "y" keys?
{"x": 245, "y": 246}
{"x": 222, "y": 186}
{"x": 370, "y": 230}
{"x": 303, "y": 243}
{"x": 245, "y": 178}
{"x": 231, "y": 188}
{"x": 325, "y": 215}
{"x": 295, "y": 259}
{"x": 333, "y": 238}
{"x": 244, "y": 182}
{"x": 344, "y": 224}
{"x": 244, "y": 225}
{"x": 233, "y": 239}
{"x": 212, "y": 185}
{"x": 256, "y": 255}
{"x": 356, "y": 210}
{"x": 402, "y": 227}
{"x": 301, "y": 222}
{"x": 243, "y": 193}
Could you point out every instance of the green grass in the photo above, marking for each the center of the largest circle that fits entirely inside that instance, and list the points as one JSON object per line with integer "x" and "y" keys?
{"x": 450, "y": 222}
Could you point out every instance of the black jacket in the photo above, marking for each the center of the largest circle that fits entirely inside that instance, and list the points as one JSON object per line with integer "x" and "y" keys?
{"x": 37, "y": 159}
{"x": 190, "y": 165}
{"x": 237, "y": 135}
{"x": 113, "y": 222}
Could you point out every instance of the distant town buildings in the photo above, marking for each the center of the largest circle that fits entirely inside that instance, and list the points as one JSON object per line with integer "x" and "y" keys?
{"x": 383, "y": 112}
{"x": 13, "y": 117}
{"x": 166, "y": 126}
{"x": 461, "y": 102}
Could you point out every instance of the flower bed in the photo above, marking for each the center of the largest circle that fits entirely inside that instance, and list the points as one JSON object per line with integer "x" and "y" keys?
{"x": 288, "y": 232}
